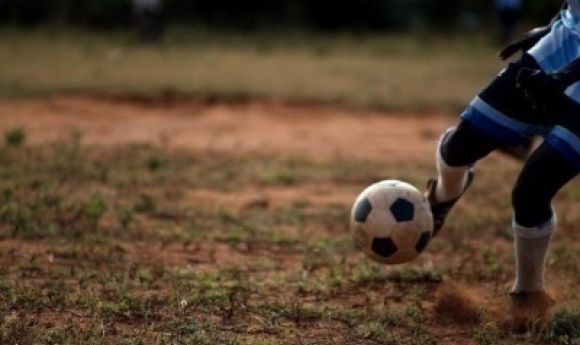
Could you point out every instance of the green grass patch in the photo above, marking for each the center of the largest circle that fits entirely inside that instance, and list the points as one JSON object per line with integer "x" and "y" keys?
{"x": 564, "y": 327}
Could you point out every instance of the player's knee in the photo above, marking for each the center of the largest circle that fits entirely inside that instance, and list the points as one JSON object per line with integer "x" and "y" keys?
{"x": 453, "y": 154}
{"x": 465, "y": 144}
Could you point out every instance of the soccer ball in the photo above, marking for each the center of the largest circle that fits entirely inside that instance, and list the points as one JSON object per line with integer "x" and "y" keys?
{"x": 391, "y": 222}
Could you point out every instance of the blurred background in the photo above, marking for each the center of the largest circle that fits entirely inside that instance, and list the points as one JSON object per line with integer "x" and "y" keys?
{"x": 252, "y": 15}
{"x": 396, "y": 54}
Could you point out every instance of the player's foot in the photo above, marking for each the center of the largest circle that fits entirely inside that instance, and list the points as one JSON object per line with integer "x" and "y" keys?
{"x": 529, "y": 311}
{"x": 441, "y": 209}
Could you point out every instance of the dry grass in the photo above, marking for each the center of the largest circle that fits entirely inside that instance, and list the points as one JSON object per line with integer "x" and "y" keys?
{"x": 397, "y": 72}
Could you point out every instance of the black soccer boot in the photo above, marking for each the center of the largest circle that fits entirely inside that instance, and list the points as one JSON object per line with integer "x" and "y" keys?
{"x": 441, "y": 209}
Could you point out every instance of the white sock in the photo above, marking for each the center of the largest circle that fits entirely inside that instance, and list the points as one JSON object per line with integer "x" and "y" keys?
{"x": 531, "y": 246}
{"x": 451, "y": 180}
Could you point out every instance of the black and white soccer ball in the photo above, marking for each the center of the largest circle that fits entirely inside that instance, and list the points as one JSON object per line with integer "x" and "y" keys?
{"x": 391, "y": 222}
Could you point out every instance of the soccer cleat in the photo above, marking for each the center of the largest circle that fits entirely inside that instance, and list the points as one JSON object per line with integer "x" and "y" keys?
{"x": 441, "y": 209}
{"x": 529, "y": 311}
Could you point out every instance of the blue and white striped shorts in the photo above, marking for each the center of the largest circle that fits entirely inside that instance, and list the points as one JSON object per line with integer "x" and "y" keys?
{"x": 503, "y": 112}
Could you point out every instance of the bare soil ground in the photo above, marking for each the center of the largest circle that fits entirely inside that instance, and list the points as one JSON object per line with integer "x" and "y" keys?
{"x": 311, "y": 131}
{"x": 316, "y": 132}
{"x": 294, "y": 130}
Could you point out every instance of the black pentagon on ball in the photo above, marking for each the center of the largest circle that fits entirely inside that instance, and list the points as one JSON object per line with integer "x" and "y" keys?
{"x": 383, "y": 246}
{"x": 423, "y": 241}
{"x": 403, "y": 210}
{"x": 362, "y": 210}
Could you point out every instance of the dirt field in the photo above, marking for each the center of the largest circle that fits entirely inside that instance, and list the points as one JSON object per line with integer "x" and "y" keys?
{"x": 313, "y": 131}
{"x": 316, "y": 134}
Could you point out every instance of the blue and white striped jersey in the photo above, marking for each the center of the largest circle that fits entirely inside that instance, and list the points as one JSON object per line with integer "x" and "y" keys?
{"x": 561, "y": 45}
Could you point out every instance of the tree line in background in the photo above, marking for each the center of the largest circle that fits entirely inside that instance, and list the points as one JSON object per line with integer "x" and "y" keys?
{"x": 315, "y": 15}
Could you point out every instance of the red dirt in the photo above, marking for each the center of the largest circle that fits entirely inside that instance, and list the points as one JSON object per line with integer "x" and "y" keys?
{"x": 314, "y": 131}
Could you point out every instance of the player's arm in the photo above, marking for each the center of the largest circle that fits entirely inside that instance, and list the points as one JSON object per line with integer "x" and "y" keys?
{"x": 529, "y": 39}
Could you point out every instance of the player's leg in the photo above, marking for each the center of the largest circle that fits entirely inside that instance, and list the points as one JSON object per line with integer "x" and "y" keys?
{"x": 534, "y": 223}
{"x": 545, "y": 172}
{"x": 485, "y": 126}
{"x": 457, "y": 150}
